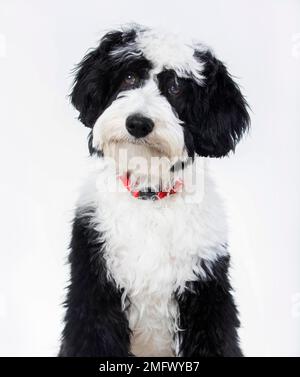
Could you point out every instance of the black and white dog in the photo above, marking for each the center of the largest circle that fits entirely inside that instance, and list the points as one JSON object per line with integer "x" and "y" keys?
{"x": 150, "y": 277}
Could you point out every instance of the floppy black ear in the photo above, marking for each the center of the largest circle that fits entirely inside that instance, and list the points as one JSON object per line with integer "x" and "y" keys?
{"x": 91, "y": 89}
{"x": 219, "y": 110}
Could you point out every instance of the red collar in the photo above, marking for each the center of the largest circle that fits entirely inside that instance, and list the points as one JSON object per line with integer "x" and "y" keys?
{"x": 153, "y": 195}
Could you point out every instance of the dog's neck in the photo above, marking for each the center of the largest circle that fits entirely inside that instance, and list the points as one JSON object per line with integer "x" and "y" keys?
{"x": 104, "y": 173}
{"x": 148, "y": 169}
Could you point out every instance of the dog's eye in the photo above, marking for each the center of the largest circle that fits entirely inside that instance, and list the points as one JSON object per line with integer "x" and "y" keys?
{"x": 130, "y": 80}
{"x": 174, "y": 88}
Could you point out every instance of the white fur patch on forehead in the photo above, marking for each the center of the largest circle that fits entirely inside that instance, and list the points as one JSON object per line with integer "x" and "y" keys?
{"x": 169, "y": 51}
{"x": 164, "y": 50}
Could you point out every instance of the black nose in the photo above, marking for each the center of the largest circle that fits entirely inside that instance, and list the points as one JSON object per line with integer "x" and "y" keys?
{"x": 138, "y": 125}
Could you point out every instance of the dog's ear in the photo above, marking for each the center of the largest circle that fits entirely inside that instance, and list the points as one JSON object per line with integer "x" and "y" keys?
{"x": 220, "y": 115}
{"x": 91, "y": 89}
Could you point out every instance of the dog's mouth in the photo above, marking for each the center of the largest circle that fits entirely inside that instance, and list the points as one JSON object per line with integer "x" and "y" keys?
{"x": 136, "y": 149}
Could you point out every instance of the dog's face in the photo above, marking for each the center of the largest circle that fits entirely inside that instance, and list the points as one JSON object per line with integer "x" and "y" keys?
{"x": 155, "y": 94}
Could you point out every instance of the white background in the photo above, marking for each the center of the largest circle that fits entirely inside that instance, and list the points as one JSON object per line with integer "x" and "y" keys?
{"x": 44, "y": 151}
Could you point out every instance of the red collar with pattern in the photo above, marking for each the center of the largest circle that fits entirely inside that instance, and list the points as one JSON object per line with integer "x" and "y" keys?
{"x": 148, "y": 194}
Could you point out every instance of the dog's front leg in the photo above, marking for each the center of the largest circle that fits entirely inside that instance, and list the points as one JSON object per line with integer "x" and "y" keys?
{"x": 95, "y": 324}
{"x": 208, "y": 315}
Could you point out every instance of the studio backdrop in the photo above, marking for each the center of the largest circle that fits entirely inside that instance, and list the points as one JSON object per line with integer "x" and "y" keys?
{"x": 44, "y": 158}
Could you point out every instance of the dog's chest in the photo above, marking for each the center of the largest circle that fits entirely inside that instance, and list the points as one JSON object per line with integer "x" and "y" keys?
{"x": 148, "y": 246}
{"x": 151, "y": 251}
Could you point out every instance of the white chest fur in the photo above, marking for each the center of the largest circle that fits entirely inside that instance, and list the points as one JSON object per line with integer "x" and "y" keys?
{"x": 152, "y": 250}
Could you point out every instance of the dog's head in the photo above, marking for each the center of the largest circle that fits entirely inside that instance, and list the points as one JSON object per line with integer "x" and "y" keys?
{"x": 141, "y": 89}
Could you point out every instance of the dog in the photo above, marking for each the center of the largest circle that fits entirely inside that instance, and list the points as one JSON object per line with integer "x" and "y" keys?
{"x": 148, "y": 255}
